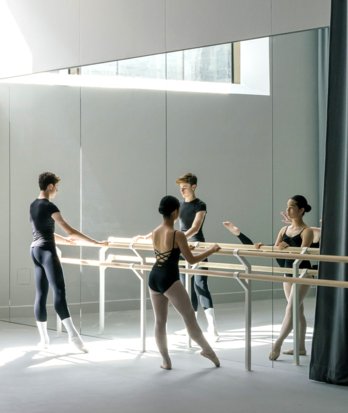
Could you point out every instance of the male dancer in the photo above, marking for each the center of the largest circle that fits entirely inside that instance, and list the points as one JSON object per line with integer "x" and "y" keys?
{"x": 48, "y": 270}
{"x": 192, "y": 216}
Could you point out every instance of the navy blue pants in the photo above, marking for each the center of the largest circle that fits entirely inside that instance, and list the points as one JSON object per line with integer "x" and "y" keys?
{"x": 48, "y": 272}
{"x": 199, "y": 290}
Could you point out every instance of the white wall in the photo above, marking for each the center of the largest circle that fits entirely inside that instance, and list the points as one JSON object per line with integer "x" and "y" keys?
{"x": 58, "y": 34}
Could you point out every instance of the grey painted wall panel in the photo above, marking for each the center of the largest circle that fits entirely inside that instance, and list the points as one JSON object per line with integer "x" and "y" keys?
{"x": 50, "y": 29}
{"x": 227, "y": 142}
{"x": 296, "y": 120}
{"x": 196, "y": 23}
{"x": 5, "y": 202}
{"x": 45, "y": 135}
{"x": 71, "y": 33}
{"x": 120, "y": 29}
{"x": 296, "y": 15}
{"x": 124, "y": 172}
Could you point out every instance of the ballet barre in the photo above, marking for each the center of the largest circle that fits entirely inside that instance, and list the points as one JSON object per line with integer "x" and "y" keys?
{"x": 244, "y": 273}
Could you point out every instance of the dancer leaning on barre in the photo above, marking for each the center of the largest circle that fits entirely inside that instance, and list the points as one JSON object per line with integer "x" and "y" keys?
{"x": 164, "y": 283}
{"x": 297, "y": 234}
{"x": 192, "y": 217}
{"x": 48, "y": 270}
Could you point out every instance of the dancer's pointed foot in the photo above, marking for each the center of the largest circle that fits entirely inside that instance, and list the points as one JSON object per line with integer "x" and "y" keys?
{"x": 77, "y": 342}
{"x": 291, "y": 352}
{"x": 211, "y": 356}
{"x": 231, "y": 227}
{"x": 274, "y": 354}
{"x": 166, "y": 364}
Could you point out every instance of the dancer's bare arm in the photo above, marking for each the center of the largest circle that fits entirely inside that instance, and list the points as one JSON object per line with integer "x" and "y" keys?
{"x": 185, "y": 249}
{"x": 73, "y": 233}
{"x": 196, "y": 224}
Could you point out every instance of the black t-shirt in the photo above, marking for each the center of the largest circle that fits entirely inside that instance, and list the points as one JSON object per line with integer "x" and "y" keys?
{"x": 188, "y": 211}
{"x": 42, "y": 223}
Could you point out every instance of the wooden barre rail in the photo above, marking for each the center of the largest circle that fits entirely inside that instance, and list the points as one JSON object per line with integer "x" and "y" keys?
{"x": 199, "y": 271}
{"x": 243, "y": 272}
{"x": 226, "y": 249}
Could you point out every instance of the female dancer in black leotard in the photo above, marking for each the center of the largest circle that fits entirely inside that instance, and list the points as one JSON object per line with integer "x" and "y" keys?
{"x": 297, "y": 234}
{"x": 164, "y": 283}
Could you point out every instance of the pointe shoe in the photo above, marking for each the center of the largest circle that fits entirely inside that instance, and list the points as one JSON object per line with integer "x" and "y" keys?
{"x": 77, "y": 342}
{"x": 291, "y": 352}
{"x": 274, "y": 354}
{"x": 212, "y": 357}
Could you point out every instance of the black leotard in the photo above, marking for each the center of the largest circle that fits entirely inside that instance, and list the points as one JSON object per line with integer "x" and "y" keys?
{"x": 165, "y": 271}
{"x": 295, "y": 241}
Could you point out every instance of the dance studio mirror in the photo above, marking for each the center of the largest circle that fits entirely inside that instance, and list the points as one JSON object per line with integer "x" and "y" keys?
{"x": 118, "y": 149}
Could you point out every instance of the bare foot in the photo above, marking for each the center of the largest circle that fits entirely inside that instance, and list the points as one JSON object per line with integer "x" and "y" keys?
{"x": 212, "y": 357}
{"x": 231, "y": 227}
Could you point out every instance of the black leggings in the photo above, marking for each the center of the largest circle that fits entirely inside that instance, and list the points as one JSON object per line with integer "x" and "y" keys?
{"x": 199, "y": 288}
{"x": 48, "y": 271}
{"x": 244, "y": 239}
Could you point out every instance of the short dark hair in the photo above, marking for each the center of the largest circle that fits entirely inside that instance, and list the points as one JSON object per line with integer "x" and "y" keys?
{"x": 47, "y": 178}
{"x": 168, "y": 204}
{"x": 188, "y": 178}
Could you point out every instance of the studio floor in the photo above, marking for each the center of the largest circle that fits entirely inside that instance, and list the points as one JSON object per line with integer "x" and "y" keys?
{"x": 116, "y": 376}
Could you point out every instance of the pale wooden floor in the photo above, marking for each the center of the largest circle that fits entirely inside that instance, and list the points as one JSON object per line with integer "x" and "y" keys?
{"x": 115, "y": 376}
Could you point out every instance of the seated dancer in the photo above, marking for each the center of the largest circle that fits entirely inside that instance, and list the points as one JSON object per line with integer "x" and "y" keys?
{"x": 165, "y": 285}
{"x": 48, "y": 270}
{"x": 297, "y": 234}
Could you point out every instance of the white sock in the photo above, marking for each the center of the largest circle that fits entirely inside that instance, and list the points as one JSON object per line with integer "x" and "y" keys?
{"x": 74, "y": 336}
{"x": 44, "y": 339}
{"x": 70, "y": 328}
{"x": 210, "y": 316}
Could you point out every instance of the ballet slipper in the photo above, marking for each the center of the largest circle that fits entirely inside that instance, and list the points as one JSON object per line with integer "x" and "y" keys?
{"x": 211, "y": 356}
{"x": 231, "y": 227}
{"x": 165, "y": 367}
{"x": 78, "y": 343}
{"x": 291, "y": 352}
{"x": 167, "y": 364}
{"x": 274, "y": 354}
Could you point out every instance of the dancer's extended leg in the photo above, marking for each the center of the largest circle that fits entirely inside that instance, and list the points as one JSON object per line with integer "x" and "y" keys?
{"x": 178, "y": 296}
{"x": 287, "y": 323}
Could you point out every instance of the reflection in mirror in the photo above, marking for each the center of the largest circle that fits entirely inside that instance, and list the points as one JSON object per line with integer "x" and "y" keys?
{"x": 119, "y": 140}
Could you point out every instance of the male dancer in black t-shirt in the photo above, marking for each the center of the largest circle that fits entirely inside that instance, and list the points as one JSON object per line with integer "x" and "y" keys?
{"x": 48, "y": 270}
{"x": 192, "y": 216}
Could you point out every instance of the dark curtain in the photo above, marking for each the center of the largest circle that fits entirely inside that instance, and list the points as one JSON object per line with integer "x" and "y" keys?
{"x": 329, "y": 361}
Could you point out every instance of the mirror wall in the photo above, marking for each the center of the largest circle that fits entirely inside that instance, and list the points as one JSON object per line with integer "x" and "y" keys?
{"x": 118, "y": 151}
